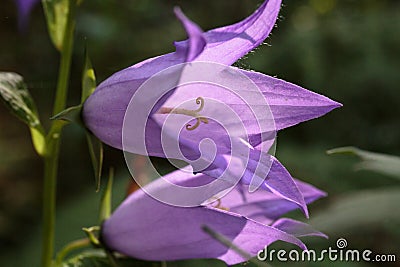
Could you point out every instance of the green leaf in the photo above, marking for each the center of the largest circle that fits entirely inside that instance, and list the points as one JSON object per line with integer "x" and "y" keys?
{"x": 96, "y": 155}
{"x": 106, "y": 204}
{"x": 16, "y": 97}
{"x": 357, "y": 210}
{"x": 382, "y": 163}
{"x": 56, "y": 12}
{"x": 89, "y": 258}
{"x": 98, "y": 258}
{"x": 88, "y": 78}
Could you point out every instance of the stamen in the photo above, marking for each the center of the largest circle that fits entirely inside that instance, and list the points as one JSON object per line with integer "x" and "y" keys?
{"x": 199, "y": 101}
{"x": 189, "y": 127}
{"x": 219, "y": 206}
{"x": 193, "y": 113}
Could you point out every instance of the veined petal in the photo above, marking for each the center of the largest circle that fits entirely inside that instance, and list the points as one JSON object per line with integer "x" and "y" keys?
{"x": 196, "y": 40}
{"x": 104, "y": 110}
{"x": 145, "y": 228}
{"x": 281, "y": 183}
{"x": 263, "y": 206}
{"x": 266, "y": 172}
{"x": 185, "y": 189}
{"x": 297, "y": 228}
{"x": 231, "y": 102}
{"x": 227, "y": 44}
{"x": 289, "y": 103}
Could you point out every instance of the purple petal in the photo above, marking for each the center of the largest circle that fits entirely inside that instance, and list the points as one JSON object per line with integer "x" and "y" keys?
{"x": 265, "y": 170}
{"x": 290, "y": 104}
{"x": 145, "y": 228}
{"x": 281, "y": 183}
{"x": 227, "y": 44}
{"x": 233, "y": 105}
{"x": 183, "y": 188}
{"x": 263, "y": 206}
{"x": 296, "y": 228}
{"x": 104, "y": 110}
{"x": 196, "y": 40}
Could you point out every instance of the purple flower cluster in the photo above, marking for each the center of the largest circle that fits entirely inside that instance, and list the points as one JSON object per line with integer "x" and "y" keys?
{"x": 146, "y": 228}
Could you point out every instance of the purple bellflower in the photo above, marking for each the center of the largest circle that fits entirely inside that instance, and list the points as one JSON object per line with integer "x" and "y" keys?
{"x": 104, "y": 111}
{"x": 24, "y": 10}
{"x": 144, "y": 228}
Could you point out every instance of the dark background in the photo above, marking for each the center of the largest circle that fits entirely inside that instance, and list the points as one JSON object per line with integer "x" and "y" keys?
{"x": 348, "y": 50}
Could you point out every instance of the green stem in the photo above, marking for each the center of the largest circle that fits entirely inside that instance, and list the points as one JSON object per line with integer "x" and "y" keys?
{"x": 77, "y": 244}
{"x": 111, "y": 258}
{"x": 65, "y": 63}
{"x": 53, "y": 142}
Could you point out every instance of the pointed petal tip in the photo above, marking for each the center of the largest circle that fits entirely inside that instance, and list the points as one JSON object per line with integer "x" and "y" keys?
{"x": 196, "y": 39}
{"x": 178, "y": 12}
{"x": 304, "y": 209}
{"x": 336, "y": 104}
{"x": 297, "y": 228}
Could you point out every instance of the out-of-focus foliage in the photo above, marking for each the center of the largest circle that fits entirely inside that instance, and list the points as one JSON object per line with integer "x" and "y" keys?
{"x": 56, "y": 12}
{"x": 381, "y": 163}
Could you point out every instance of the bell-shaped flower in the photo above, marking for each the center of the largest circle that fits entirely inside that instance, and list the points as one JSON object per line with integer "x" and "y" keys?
{"x": 145, "y": 228}
{"x": 191, "y": 105}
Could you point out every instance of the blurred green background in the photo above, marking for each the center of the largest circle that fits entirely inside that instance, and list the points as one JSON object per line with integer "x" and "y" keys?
{"x": 348, "y": 50}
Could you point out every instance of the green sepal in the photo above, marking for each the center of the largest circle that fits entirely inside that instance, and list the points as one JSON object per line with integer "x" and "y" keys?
{"x": 94, "y": 144}
{"x": 88, "y": 77}
{"x": 15, "y": 95}
{"x": 71, "y": 114}
{"x": 96, "y": 155}
{"x": 106, "y": 199}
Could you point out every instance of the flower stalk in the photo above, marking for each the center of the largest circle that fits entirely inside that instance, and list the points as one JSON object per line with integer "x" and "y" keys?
{"x": 53, "y": 138}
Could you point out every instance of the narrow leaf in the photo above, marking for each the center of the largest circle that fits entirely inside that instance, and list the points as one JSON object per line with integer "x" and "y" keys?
{"x": 96, "y": 155}
{"x": 56, "y": 12}
{"x": 15, "y": 95}
{"x": 88, "y": 78}
{"x": 381, "y": 163}
{"x": 358, "y": 210}
{"x": 106, "y": 204}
